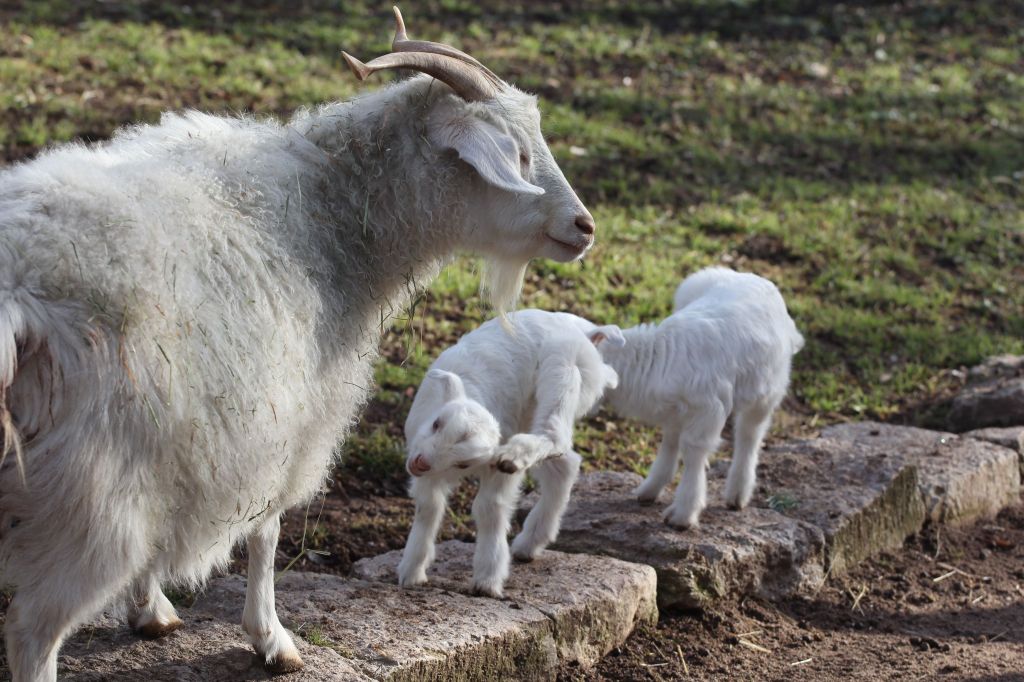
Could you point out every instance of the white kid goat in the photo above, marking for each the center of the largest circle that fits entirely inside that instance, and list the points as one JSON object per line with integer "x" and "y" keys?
{"x": 727, "y": 348}
{"x": 527, "y": 382}
{"x": 189, "y": 315}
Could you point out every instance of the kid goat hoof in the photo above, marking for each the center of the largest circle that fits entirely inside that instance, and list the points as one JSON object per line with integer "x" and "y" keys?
{"x": 507, "y": 467}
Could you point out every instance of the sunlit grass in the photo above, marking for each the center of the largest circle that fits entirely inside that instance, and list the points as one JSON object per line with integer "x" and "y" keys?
{"x": 869, "y": 159}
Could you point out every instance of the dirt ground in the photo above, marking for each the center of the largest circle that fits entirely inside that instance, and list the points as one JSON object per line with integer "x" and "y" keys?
{"x": 950, "y": 605}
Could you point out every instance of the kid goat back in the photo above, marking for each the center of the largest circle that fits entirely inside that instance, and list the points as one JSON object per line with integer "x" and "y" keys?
{"x": 725, "y": 350}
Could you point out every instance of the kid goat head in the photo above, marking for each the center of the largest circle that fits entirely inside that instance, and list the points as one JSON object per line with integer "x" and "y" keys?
{"x": 522, "y": 206}
{"x": 462, "y": 434}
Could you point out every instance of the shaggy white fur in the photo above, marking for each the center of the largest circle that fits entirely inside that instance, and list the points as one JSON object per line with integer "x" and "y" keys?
{"x": 526, "y": 382}
{"x": 727, "y": 348}
{"x": 188, "y": 318}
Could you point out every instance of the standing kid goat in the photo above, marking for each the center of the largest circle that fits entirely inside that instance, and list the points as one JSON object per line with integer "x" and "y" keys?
{"x": 726, "y": 349}
{"x": 189, "y": 314}
{"x": 525, "y": 381}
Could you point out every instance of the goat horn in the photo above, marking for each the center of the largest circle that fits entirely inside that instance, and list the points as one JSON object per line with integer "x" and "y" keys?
{"x": 467, "y": 81}
{"x": 402, "y": 43}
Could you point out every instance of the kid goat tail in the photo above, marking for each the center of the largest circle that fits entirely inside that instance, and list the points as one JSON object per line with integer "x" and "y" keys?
{"x": 13, "y": 328}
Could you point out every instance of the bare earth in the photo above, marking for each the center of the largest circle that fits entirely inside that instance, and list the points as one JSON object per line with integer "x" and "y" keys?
{"x": 949, "y": 606}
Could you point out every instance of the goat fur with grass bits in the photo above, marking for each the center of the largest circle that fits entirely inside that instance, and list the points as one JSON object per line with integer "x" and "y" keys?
{"x": 188, "y": 320}
{"x": 524, "y": 383}
{"x": 727, "y": 349}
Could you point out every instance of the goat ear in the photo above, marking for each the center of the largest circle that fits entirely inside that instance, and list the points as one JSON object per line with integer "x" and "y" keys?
{"x": 610, "y": 333}
{"x": 489, "y": 150}
{"x": 451, "y": 384}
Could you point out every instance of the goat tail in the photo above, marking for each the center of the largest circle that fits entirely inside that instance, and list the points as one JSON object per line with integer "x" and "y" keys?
{"x": 13, "y": 330}
{"x": 796, "y": 341}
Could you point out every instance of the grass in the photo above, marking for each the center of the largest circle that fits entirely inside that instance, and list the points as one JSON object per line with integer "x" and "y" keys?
{"x": 315, "y": 635}
{"x": 866, "y": 156}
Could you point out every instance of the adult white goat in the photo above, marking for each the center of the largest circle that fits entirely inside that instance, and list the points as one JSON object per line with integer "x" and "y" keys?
{"x": 525, "y": 381}
{"x": 727, "y": 348}
{"x": 189, "y": 313}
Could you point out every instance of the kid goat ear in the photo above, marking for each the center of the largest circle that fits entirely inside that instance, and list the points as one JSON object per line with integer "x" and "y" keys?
{"x": 451, "y": 384}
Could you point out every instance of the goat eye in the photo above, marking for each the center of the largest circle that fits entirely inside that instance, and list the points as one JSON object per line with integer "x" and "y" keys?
{"x": 436, "y": 426}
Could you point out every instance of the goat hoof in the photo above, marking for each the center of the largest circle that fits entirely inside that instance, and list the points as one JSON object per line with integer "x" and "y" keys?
{"x": 507, "y": 467}
{"x": 156, "y": 629}
{"x": 523, "y": 558}
{"x": 482, "y": 591}
{"x": 680, "y": 521}
{"x": 284, "y": 664}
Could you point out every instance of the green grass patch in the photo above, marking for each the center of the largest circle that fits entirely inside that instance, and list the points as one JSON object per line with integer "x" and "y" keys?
{"x": 869, "y": 158}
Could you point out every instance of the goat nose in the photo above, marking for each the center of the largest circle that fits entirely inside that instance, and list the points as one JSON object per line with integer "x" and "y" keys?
{"x": 585, "y": 224}
{"x": 419, "y": 465}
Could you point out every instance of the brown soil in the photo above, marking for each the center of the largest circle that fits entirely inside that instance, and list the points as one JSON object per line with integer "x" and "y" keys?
{"x": 949, "y": 606}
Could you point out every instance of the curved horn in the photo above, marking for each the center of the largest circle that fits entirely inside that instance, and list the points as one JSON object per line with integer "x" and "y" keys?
{"x": 402, "y": 43}
{"x": 466, "y": 80}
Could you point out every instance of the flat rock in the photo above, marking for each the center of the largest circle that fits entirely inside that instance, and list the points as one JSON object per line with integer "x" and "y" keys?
{"x": 994, "y": 395}
{"x": 960, "y": 479}
{"x": 821, "y": 506}
{"x": 209, "y": 646}
{"x": 1009, "y": 437}
{"x": 558, "y": 610}
{"x": 864, "y": 501}
{"x": 576, "y": 608}
{"x": 996, "y": 367}
{"x": 756, "y": 551}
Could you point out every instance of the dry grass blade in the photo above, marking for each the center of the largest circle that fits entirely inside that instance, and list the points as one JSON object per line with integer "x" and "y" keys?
{"x": 752, "y": 633}
{"x": 857, "y": 597}
{"x": 755, "y": 647}
{"x": 686, "y": 668}
{"x": 803, "y": 662}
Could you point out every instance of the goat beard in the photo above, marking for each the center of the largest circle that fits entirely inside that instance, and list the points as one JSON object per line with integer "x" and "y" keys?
{"x": 502, "y": 282}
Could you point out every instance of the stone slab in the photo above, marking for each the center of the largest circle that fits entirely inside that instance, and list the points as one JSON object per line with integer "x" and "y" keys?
{"x": 1009, "y": 437}
{"x": 996, "y": 367}
{"x": 756, "y": 551}
{"x": 209, "y": 646}
{"x": 590, "y": 603}
{"x": 994, "y": 395}
{"x": 821, "y": 506}
{"x": 863, "y": 501}
{"x": 559, "y": 610}
{"x": 960, "y": 479}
